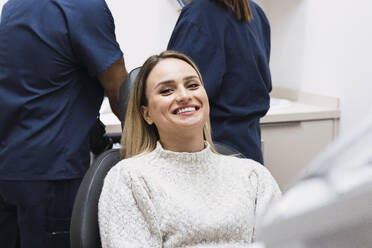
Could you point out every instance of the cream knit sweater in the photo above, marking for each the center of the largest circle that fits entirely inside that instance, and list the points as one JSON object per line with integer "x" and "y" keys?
{"x": 170, "y": 199}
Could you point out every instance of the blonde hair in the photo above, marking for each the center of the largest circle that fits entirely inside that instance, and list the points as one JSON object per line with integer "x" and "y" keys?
{"x": 139, "y": 137}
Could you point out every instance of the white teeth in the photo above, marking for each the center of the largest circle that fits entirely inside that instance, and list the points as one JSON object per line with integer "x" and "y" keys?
{"x": 183, "y": 110}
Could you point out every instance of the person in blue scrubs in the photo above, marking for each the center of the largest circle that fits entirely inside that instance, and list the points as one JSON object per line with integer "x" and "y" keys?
{"x": 57, "y": 60}
{"x": 229, "y": 40}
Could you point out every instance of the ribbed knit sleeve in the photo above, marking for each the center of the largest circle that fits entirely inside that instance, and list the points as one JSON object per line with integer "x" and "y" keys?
{"x": 267, "y": 191}
{"x": 126, "y": 214}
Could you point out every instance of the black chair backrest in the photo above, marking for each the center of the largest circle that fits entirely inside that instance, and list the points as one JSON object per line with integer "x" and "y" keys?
{"x": 125, "y": 90}
{"x": 84, "y": 230}
{"x": 226, "y": 150}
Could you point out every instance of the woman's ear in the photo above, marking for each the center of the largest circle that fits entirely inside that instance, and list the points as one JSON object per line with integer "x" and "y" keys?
{"x": 146, "y": 114}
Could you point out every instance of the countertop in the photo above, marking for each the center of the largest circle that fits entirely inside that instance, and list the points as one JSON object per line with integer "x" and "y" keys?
{"x": 290, "y": 105}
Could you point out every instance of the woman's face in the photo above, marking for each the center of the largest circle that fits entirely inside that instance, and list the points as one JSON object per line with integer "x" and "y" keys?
{"x": 177, "y": 100}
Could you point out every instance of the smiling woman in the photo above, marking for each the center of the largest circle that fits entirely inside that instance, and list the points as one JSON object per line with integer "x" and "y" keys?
{"x": 173, "y": 189}
{"x": 176, "y": 100}
{"x": 166, "y": 85}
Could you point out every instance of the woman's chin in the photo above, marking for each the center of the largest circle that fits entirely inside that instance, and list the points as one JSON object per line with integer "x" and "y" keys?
{"x": 191, "y": 124}
{"x": 187, "y": 128}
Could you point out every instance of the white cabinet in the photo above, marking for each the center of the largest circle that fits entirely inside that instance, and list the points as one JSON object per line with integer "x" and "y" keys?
{"x": 294, "y": 132}
{"x": 289, "y": 146}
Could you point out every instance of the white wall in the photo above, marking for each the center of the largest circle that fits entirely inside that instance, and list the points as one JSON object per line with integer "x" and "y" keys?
{"x": 339, "y": 56}
{"x": 323, "y": 47}
{"x": 288, "y": 35}
{"x": 143, "y": 27}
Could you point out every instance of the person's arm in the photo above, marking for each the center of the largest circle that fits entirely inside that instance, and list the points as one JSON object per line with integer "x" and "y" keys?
{"x": 111, "y": 80}
{"x": 126, "y": 215}
{"x": 267, "y": 191}
{"x": 92, "y": 34}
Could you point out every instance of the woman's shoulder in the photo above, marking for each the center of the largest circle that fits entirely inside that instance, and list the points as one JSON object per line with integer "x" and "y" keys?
{"x": 254, "y": 6}
{"x": 255, "y": 172}
{"x": 243, "y": 164}
{"x": 128, "y": 167}
{"x": 235, "y": 159}
{"x": 259, "y": 13}
{"x": 201, "y": 11}
{"x": 204, "y": 4}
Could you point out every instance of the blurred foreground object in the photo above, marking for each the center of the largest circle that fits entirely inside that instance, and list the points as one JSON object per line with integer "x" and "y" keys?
{"x": 330, "y": 204}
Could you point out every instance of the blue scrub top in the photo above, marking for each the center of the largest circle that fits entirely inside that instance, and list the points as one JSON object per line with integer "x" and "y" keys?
{"x": 233, "y": 58}
{"x": 50, "y": 54}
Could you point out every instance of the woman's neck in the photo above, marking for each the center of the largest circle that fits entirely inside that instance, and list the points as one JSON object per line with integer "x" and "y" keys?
{"x": 183, "y": 143}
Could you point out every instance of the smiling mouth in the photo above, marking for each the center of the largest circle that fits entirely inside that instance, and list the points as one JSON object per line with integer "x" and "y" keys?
{"x": 184, "y": 110}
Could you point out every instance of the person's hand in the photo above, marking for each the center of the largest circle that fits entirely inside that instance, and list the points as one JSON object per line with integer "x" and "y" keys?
{"x": 98, "y": 141}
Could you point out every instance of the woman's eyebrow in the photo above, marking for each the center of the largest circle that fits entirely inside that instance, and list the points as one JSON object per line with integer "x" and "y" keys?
{"x": 167, "y": 82}
{"x": 190, "y": 77}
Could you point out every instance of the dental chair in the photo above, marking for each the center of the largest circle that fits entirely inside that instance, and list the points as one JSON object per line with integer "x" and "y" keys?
{"x": 125, "y": 90}
{"x": 84, "y": 232}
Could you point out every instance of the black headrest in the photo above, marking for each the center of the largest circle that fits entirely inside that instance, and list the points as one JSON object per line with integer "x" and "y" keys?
{"x": 226, "y": 149}
{"x": 125, "y": 90}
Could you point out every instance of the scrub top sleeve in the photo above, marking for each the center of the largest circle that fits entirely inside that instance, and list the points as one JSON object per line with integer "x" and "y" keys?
{"x": 92, "y": 34}
{"x": 190, "y": 39}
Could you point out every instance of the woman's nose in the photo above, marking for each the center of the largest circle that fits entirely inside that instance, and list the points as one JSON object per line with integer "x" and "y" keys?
{"x": 183, "y": 95}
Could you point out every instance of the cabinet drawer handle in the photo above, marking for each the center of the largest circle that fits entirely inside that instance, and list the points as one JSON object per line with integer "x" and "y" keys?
{"x": 278, "y": 124}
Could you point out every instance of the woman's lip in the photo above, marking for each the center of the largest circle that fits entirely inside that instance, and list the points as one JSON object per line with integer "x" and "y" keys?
{"x": 188, "y": 106}
{"x": 188, "y": 113}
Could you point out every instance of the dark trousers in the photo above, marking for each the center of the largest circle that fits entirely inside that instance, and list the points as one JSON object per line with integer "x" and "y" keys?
{"x": 36, "y": 214}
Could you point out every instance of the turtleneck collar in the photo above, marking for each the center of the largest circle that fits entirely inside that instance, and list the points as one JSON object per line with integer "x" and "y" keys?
{"x": 196, "y": 158}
